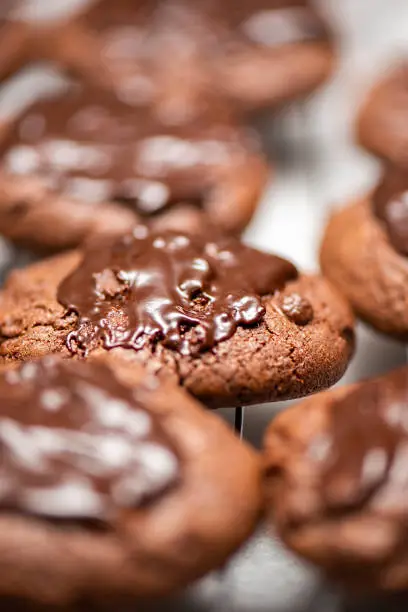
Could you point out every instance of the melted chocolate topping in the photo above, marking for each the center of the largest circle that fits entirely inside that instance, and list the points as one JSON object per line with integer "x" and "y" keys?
{"x": 89, "y": 146}
{"x": 367, "y": 441}
{"x": 189, "y": 293}
{"x": 390, "y": 202}
{"x": 76, "y": 444}
{"x": 297, "y": 309}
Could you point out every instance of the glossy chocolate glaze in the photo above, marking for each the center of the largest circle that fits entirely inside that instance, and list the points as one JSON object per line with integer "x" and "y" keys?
{"x": 390, "y": 204}
{"x": 189, "y": 293}
{"x": 76, "y": 444}
{"x": 367, "y": 443}
{"x": 88, "y": 145}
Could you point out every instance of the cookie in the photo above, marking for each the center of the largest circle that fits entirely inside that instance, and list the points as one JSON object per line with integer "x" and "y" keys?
{"x": 178, "y": 56}
{"x": 84, "y": 162}
{"x": 383, "y": 121}
{"x": 364, "y": 254}
{"x": 14, "y": 38}
{"x": 231, "y": 324}
{"x": 335, "y": 481}
{"x": 111, "y": 492}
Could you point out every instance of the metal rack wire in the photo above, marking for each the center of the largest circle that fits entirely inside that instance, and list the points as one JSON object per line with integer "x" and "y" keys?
{"x": 239, "y": 420}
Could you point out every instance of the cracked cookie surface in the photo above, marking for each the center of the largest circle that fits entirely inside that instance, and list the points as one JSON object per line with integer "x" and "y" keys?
{"x": 276, "y": 358}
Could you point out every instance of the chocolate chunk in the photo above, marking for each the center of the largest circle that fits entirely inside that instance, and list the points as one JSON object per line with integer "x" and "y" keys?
{"x": 190, "y": 293}
{"x": 77, "y": 444}
{"x": 297, "y": 309}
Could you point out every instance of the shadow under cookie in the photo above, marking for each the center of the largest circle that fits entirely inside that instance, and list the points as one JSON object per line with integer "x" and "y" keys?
{"x": 233, "y": 325}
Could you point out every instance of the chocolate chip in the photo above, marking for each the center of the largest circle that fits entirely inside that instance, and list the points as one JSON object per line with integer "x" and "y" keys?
{"x": 297, "y": 309}
{"x": 174, "y": 283}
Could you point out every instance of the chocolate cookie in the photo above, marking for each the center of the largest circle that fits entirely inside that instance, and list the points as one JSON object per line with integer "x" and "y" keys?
{"x": 178, "y": 56}
{"x": 383, "y": 121}
{"x": 231, "y": 324}
{"x": 364, "y": 253}
{"x": 85, "y": 162}
{"x": 14, "y": 38}
{"x": 110, "y": 492}
{"x": 335, "y": 481}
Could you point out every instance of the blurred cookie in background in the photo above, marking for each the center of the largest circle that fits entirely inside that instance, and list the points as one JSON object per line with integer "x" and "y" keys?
{"x": 270, "y": 52}
{"x": 178, "y": 56}
{"x": 114, "y": 493}
{"x": 80, "y": 162}
{"x": 383, "y": 121}
{"x": 15, "y": 38}
{"x": 365, "y": 255}
{"x": 335, "y": 479}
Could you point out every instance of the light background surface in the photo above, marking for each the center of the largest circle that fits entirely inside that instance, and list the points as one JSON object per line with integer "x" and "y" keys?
{"x": 317, "y": 167}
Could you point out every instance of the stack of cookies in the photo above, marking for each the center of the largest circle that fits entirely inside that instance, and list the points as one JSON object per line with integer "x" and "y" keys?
{"x": 144, "y": 312}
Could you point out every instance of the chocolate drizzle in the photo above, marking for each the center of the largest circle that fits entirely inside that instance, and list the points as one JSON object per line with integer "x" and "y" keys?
{"x": 297, "y": 308}
{"x": 87, "y": 145}
{"x": 390, "y": 203}
{"x": 189, "y": 293}
{"x": 76, "y": 444}
{"x": 367, "y": 442}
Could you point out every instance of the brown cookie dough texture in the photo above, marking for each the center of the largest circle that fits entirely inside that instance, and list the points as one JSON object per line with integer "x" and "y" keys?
{"x": 357, "y": 256}
{"x": 109, "y": 542}
{"x": 277, "y": 336}
{"x": 179, "y": 56}
{"x": 84, "y": 162}
{"x": 383, "y": 121}
{"x": 336, "y": 476}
